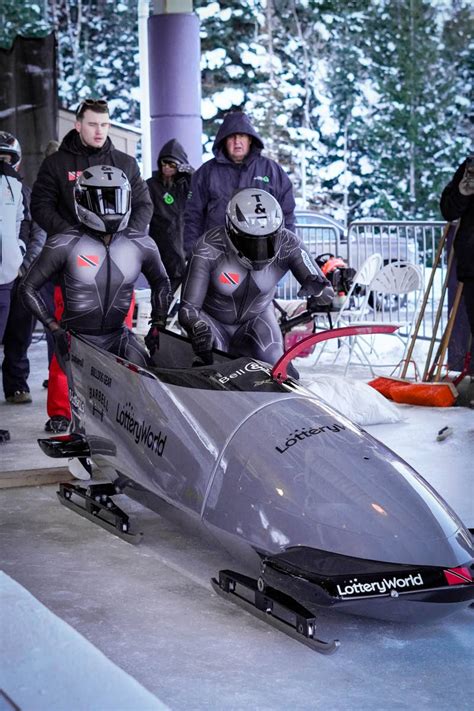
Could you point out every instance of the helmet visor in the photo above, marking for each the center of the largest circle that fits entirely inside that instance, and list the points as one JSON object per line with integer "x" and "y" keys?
{"x": 256, "y": 249}
{"x": 105, "y": 201}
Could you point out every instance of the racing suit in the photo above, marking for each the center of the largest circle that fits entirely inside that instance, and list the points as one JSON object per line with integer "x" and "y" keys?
{"x": 97, "y": 283}
{"x": 236, "y": 302}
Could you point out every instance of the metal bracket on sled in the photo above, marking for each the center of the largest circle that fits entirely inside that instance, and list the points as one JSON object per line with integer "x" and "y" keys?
{"x": 97, "y": 506}
{"x": 279, "y": 610}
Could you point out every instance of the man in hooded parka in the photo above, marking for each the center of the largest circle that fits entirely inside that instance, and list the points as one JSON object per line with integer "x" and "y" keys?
{"x": 238, "y": 163}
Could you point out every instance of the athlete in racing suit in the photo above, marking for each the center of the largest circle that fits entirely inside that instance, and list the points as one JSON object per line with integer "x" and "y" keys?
{"x": 97, "y": 281}
{"x": 232, "y": 275}
{"x": 97, "y": 267}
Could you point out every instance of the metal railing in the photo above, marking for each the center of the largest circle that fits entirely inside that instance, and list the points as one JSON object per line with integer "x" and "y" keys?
{"x": 404, "y": 240}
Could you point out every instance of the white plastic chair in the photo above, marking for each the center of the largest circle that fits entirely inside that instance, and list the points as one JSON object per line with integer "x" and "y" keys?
{"x": 398, "y": 279}
{"x": 362, "y": 281}
{"x": 348, "y": 313}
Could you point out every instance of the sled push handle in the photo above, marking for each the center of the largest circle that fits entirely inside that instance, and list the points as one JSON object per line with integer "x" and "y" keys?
{"x": 280, "y": 369}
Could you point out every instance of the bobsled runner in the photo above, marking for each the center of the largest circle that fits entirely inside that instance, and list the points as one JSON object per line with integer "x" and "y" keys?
{"x": 316, "y": 512}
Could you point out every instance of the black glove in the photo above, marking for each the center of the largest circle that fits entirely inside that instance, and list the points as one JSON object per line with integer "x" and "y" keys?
{"x": 152, "y": 338}
{"x": 61, "y": 346}
{"x": 201, "y": 341}
{"x": 324, "y": 298}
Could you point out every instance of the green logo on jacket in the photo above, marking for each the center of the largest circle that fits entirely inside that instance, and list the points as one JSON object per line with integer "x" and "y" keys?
{"x": 169, "y": 199}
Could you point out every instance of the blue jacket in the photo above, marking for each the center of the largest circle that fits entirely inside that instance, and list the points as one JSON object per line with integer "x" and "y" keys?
{"x": 215, "y": 182}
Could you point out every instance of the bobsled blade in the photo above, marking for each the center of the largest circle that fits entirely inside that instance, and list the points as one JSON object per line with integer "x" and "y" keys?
{"x": 99, "y": 508}
{"x": 278, "y": 610}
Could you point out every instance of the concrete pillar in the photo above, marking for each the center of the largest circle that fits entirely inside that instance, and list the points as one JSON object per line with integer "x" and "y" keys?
{"x": 175, "y": 79}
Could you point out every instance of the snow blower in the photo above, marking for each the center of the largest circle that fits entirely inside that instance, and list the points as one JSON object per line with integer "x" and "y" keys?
{"x": 424, "y": 392}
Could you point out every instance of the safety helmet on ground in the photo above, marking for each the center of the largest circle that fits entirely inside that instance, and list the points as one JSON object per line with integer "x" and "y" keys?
{"x": 253, "y": 221}
{"x": 102, "y": 197}
{"x": 10, "y": 145}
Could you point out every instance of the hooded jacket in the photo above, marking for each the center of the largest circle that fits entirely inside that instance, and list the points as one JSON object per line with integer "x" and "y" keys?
{"x": 169, "y": 201}
{"x": 52, "y": 200}
{"x": 215, "y": 182}
{"x": 12, "y": 212}
{"x": 455, "y": 206}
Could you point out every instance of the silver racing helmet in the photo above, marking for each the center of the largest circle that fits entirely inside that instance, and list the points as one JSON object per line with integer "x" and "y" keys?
{"x": 253, "y": 222}
{"x": 10, "y": 146}
{"x": 102, "y": 197}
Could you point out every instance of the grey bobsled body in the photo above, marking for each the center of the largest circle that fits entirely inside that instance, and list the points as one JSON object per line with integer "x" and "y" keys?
{"x": 274, "y": 474}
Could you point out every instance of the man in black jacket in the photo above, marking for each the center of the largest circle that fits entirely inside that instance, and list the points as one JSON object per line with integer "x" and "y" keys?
{"x": 169, "y": 187}
{"x": 52, "y": 201}
{"x": 87, "y": 144}
{"x": 457, "y": 203}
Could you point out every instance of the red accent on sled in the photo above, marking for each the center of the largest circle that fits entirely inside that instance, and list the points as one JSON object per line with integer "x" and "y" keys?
{"x": 279, "y": 370}
{"x": 458, "y": 576}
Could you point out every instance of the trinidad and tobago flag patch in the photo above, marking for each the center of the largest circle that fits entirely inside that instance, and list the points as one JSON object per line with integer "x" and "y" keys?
{"x": 229, "y": 278}
{"x": 87, "y": 260}
{"x": 73, "y": 175}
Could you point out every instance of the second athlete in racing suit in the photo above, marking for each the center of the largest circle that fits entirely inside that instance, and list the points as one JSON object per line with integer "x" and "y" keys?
{"x": 232, "y": 275}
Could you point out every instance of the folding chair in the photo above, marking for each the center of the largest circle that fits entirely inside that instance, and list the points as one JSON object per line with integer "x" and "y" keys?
{"x": 393, "y": 281}
{"x": 358, "y": 293}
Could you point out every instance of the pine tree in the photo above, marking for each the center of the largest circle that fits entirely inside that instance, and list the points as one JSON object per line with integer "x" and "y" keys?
{"x": 407, "y": 134}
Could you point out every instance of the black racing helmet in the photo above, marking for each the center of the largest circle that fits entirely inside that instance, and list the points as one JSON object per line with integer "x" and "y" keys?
{"x": 253, "y": 221}
{"x": 102, "y": 197}
{"x": 10, "y": 145}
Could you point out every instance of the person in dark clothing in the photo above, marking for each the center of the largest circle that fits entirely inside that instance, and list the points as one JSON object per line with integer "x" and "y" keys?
{"x": 97, "y": 265}
{"x": 169, "y": 188}
{"x": 53, "y": 207}
{"x": 238, "y": 163}
{"x": 232, "y": 275}
{"x": 457, "y": 203}
{"x": 52, "y": 201}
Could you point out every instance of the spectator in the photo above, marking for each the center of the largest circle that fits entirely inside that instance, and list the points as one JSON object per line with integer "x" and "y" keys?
{"x": 238, "y": 163}
{"x": 12, "y": 209}
{"x": 53, "y": 208}
{"x": 87, "y": 144}
{"x": 169, "y": 188}
{"x": 232, "y": 275}
{"x": 457, "y": 203}
{"x": 20, "y": 323}
{"x": 97, "y": 264}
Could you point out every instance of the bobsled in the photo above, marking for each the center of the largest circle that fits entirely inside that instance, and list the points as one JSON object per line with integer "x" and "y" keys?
{"x": 315, "y": 511}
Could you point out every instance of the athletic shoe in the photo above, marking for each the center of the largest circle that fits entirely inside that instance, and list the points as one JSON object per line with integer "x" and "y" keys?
{"x": 45, "y": 384}
{"x": 20, "y": 397}
{"x": 4, "y": 436}
{"x": 57, "y": 424}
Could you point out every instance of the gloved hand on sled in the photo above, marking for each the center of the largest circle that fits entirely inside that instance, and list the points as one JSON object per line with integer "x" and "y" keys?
{"x": 319, "y": 291}
{"x": 201, "y": 341}
{"x": 152, "y": 338}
